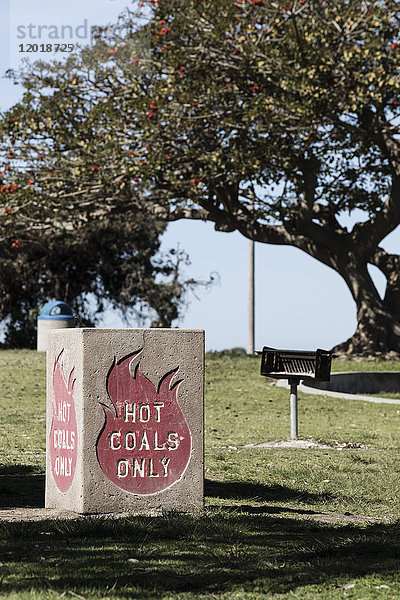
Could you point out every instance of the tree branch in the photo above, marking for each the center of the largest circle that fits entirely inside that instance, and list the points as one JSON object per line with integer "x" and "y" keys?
{"x": 369, "y": 234}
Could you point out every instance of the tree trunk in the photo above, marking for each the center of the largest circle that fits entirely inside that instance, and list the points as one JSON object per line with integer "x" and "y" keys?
{"x": 389, "y": 264}
{"x": 378, "y": 325}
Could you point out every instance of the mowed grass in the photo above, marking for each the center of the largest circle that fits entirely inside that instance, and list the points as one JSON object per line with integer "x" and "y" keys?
{"x": 283, "y": 523}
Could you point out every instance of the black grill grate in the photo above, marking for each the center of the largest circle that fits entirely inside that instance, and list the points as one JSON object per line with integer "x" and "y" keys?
{"x": 297, "y": 365}
{"x": 286, "y": 364}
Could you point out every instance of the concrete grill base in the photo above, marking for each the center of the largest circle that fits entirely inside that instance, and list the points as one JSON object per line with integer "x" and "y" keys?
{"x": 124, "y": 420}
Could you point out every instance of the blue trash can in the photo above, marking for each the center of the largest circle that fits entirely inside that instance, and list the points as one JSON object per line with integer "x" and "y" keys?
{"x": 54, "y": 315}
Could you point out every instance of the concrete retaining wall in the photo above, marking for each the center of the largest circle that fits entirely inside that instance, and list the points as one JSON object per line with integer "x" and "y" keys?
{"x": 360, "y": 383}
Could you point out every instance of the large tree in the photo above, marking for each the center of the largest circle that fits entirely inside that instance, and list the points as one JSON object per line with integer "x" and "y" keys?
{"x": 272, "y": 119}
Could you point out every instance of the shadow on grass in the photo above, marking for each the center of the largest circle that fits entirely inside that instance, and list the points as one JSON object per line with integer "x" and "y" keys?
{"x": 21, "y": 486}
{"x": 241, "y": 490}
{"x": 144, "y": 557}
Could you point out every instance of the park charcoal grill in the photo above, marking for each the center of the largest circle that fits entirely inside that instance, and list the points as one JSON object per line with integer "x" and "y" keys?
{"x": 295, "y": 366}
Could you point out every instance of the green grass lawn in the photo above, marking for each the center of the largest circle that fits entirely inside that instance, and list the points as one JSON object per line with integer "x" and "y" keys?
{"x": 281, "y": 523}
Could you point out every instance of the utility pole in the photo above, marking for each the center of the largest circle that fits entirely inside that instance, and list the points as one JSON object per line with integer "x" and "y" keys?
{"x": 251, "y": 302}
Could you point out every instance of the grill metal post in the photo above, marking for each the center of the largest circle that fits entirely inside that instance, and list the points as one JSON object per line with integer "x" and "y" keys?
{"x": 293, "y": 409}
{"x": 295, "y": 366}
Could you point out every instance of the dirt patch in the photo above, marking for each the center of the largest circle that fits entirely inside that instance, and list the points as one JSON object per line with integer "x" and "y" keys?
{"x": 34, "y": 514}
{"x": 14, "y": 515}
{"x": 345, "y": 518}
{"x": 304, "y": 444}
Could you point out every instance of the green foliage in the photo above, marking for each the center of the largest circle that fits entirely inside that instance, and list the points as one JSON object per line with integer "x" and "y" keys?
{"x": 225, "y": 95}
{"x": 231, "y": 353}
{"x": 278, "y": 95}
{"x": 106, "y": 262}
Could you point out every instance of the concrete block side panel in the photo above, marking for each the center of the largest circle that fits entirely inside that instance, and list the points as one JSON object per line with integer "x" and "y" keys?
{"x": 143, "y": 408}
{"x": 64, "y": 421}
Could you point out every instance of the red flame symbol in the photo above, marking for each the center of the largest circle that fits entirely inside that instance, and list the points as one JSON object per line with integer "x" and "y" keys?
{"x": 63, "y": 432}
{"x": 145, "y": 444}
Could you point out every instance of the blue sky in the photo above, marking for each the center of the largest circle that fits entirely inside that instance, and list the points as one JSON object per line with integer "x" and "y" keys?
{"x": 300, "y": 303}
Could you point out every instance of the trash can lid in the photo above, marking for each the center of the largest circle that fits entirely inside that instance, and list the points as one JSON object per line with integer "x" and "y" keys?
{"x": 56, "y": 310}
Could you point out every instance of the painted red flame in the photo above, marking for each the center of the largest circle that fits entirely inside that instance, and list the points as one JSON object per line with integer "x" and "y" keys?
{"x": 63, "y": 433}
{"x": 145, "y": 445}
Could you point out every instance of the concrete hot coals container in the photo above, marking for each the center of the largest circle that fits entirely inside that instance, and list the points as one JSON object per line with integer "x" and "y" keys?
{"x": 125, "y": 420}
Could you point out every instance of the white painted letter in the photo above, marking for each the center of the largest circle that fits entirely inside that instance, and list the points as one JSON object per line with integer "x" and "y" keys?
{"x": 144, "y": 442}
{"x": 172, "y": 440}
{"x": 165, "y": 462}
{"x": 112, "y": 436}
{"x": 129, "y": 413}
{"x": 122, "y": 468}
{"x": 156, "y": 446}
{"x": 158, "y": 406}
{"x": 135, "y": 466}
{"x": 151, "y": 472}
{"x": 144, "y": 413}
{"x": 130, "y": 435}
